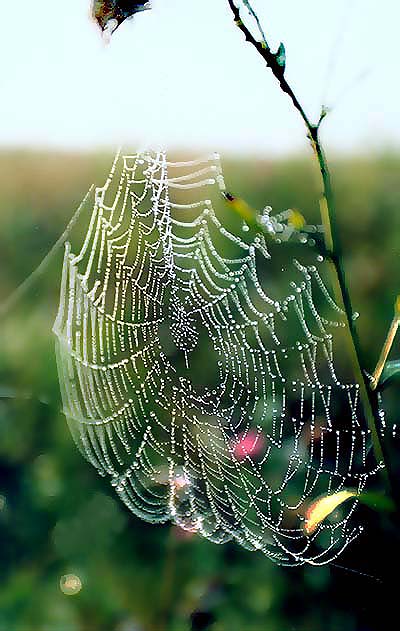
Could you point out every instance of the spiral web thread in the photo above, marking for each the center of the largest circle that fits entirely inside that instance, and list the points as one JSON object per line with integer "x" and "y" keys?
{"x": 196, "y": 364}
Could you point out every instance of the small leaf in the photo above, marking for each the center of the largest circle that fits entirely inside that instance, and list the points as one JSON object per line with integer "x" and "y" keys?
{"x": 242, "y": 208}
{"x": 280, "y": 56}
{"x": 323, "y": 507}
{"x": 296, "y": 219}
{"x": 390, "y": 373}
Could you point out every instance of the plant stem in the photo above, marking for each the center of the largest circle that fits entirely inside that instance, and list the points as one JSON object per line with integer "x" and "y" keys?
{"x": 333, "y": 246}
{"x": 386, "y": 348}
{"x": 332, "y": 242}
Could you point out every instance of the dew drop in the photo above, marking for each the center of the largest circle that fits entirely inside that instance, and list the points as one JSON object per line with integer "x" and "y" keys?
{"x": 70, "y": 584}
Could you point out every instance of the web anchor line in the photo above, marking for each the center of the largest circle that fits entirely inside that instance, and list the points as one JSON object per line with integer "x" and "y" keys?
{"x": 24, "y": 287}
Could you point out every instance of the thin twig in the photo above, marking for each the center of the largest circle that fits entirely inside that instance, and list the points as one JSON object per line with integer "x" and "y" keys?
{"x": 332, "y": 240}
{"x": 257, "y": 21}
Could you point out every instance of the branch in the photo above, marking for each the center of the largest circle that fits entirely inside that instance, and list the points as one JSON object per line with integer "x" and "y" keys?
{"x": 270, "y": 58}
{"x": 331, "y": 236}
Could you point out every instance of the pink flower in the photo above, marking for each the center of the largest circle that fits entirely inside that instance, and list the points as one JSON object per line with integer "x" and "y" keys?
{"x": 250, "y": 443}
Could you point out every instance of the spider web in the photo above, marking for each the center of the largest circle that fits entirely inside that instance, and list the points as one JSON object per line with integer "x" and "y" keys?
{"x": 196, "y": 364}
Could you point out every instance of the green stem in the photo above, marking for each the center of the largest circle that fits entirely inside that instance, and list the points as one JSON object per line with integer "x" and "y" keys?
{"x": 332, "y": 243}
{"x": 333, "y": 246}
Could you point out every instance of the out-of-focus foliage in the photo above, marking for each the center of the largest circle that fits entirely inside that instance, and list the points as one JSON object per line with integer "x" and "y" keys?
{"x": 61, "y": 525}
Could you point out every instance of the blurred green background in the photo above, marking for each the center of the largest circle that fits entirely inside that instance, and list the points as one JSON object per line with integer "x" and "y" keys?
{"x": 57, "y": 517}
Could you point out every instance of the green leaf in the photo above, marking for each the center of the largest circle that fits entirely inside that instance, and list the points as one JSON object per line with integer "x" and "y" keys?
{"x": 390, "y": 374}
{"x": 280, "y": 56}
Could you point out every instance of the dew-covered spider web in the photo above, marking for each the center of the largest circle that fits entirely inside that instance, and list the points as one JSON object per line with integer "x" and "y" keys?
{"x": 198, "y": 364}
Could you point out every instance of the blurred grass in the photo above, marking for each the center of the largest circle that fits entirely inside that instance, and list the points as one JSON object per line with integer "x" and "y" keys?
{"x": 57, "y": 516}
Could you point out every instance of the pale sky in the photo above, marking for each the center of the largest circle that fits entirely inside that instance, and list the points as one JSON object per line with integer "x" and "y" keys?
{"x": 182, "y": 76}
